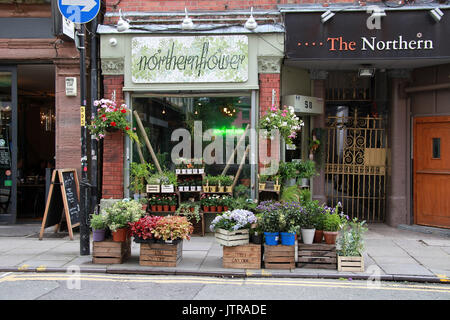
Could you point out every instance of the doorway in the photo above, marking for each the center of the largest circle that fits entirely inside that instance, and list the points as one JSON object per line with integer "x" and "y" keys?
{"x": 432, "y": 171}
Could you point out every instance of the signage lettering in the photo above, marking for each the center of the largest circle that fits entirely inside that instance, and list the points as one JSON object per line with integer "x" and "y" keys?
{"x": 339, "y": 44}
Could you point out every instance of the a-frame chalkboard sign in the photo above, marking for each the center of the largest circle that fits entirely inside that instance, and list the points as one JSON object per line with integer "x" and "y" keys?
{"x": 62, "y": 201}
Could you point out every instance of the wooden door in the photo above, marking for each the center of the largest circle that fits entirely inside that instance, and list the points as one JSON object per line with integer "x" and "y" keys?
{"x": 432, "y": 171}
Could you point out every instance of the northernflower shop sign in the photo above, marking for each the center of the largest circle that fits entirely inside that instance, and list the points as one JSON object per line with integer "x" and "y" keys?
{"x": 189, "y": 59}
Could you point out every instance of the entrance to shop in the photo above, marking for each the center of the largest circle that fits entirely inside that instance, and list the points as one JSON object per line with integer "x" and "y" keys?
{"x": 432, "y": 171}
{"x": 27, "y": 139}
{"x": 355, "y": 163}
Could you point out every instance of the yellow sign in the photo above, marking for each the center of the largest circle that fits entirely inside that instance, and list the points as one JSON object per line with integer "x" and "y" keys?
{"x": 83, "y": 115}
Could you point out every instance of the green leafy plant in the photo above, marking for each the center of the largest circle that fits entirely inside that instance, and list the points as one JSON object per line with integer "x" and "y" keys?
{"x": 123, "y": 212}
{"x": 351, "y": 241}
{"x": 292, "y": 193}
{"x": 241, "y": 191}
{"x": 288, "y": 170}
{"x": 306, "y": 169}
{"x": 98, "y": 222}
{"x": 139, "y": 176}
{"x": 172, "y": 228}
{"x": 332, "y": 222}
{"x": 185, "y": 210}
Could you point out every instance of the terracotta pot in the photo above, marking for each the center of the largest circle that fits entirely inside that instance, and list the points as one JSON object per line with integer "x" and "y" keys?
{"x": 120, "y": 235}
{"x": 219, "y": 208}
{"x": 205, "y": 208}
{"x": 192, "y": 209}
{"x": 153, "y": 207}
{"x": 166, "y": 208}
{"x": 144, "y": 207}
{"x": 159, "y": 208}
{"x": 173, "y": 208}
{"x": 330, "y": 236}
{"x": 318, "y": 236}
{"x": 225, "y": 208}
{"x": 212, "y": 209}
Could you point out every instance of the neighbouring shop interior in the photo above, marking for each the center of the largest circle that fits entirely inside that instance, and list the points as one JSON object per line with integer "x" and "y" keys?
{"x": 226, "y": 117}
{"x": 36, "y": 137}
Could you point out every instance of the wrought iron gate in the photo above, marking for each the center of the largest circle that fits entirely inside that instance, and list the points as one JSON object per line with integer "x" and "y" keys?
{"x": 355, "y": 168}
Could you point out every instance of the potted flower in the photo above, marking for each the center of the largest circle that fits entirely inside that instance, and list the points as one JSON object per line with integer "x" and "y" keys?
{"x": 159, "y": 204}
{"x": 98, "y": 225}
{"x": 319, "y": 223}
{"x": 153, "y": 202}
{"x": 308, "y": 214}
{"x": 270, "y": 221}
{"x": 213, "y": 202}
{"x": 111, "y": 117}
{"x": 283, "y": 120}
{"x": 173, "y": 203}
{"x": 120, "y": 215}
{"x": 172, "y": 229}
{"x": 256, "y": 232}
{"x": 351, "y": 246}
{"x": 232, "y": 227}
{"x": 204, "y": 201}
{"x": 332, "y": 224}
{"x": 289, "y": 222}
{"x": 142, "y": 230}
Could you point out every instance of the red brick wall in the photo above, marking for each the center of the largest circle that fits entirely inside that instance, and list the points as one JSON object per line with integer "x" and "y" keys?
{"x": 113, "y": 146}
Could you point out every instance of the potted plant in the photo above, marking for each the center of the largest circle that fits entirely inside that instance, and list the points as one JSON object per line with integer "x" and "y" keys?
{"x": 159, "y": 203}
{"x": 288, "y": 173}
{"x": 142, "y": 230}
{"x": 213, "y": 202}
{"x": 256, "y": 231}
{"x": 144, "y": 203}
{"x": 289, "y": 222}
{"x": 98, "y": 225}
{"x": 319, "y": 223}
{"x": 190, "y": 210}
{"x": 173, "y": 202}
{"x": 306, "y": 170}
{"x": 139, "y": 175}
{"x": 152, "y": 200}
{"x": 212, "y": 182}
{"x": 232, "y": 227}
{"x": 308, "y": 214}
{"x": 204, "y": 201}
{"x": 120, "y": 214}
{"x": 172, "y": 229}
{"x": 351, "y": 246}
{"x": 111, "y": 117}
{"x": 283, "y": 120}
{"x": 270, "y": 221}
{"x": 332, "y": 224}
{"x": 165, "y": 203}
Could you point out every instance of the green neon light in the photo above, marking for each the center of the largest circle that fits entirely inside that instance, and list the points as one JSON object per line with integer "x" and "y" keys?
{"x": 228, "y": 131}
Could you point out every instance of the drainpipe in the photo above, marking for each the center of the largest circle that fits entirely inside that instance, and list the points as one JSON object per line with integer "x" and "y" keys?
{"x": 94, "y": 89}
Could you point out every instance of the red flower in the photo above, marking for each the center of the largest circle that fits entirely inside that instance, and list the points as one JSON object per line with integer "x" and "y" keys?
{"x": 127, "y": 128}
{"x": 103, "y": 115}
{"x": 113, "y": 123}
{"x": 123, "y": 111}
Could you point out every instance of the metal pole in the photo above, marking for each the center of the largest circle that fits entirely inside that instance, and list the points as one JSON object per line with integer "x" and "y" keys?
{"x": 84, "y": 184}
{"x": 94, "y": 86}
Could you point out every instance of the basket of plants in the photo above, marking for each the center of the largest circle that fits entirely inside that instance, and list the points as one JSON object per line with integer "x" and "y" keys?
{"x": 351, "y": 246}
{"x": 161, "y": 239}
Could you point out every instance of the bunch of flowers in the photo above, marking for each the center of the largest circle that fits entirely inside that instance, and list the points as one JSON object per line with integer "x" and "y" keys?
{"x": 122, "y": 213}
{"x": 173, "y": 228}
{"x": 233, "y": 220}
{"x": 144, "y": 227}
{"x": 283, "y": 120}
{"x": 111, "y": 116}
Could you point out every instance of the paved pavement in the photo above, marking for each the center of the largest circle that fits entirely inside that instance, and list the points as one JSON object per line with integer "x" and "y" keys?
{"x": 391, "y": 254}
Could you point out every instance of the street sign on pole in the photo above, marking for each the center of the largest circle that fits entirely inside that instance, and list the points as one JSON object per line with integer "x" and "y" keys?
{"x": 79, "y": 11}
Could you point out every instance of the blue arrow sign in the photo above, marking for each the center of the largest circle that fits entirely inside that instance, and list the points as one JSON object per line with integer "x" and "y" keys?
{"x": 79, "y": 11}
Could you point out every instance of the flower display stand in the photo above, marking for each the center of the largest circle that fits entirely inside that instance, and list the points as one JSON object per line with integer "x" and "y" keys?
{"x": 161, "y": 254}
{"x": 279, "y": 257}
{"x": 317, "y": 256}
{"x": 353, "y": 264}
{"x": 242, "y": 257}
{"x": 232, "y": 238}
{"x": 111, "y": 252}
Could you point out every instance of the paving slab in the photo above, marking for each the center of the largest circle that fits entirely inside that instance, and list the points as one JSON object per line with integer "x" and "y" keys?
{"x": 405, "y": 269}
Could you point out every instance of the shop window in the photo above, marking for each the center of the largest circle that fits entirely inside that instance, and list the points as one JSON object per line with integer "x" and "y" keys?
{"x": 161, "y": 116}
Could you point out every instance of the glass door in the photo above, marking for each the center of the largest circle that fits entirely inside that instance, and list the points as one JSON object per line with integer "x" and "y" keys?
{"x": 8, "y": 143}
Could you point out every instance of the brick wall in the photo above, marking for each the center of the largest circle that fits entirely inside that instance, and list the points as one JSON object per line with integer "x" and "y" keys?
{"x": 113, "y": 146}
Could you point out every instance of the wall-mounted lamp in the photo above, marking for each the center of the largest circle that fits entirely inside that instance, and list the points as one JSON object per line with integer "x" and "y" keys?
{"x": 251, "y": 24}
{"x": 187, "y": 22}
{"x": 326, "y": 16}
{"x": 366, "y": 72}
{"x": 122, "y": 24}
{"x": 436, "y": 14}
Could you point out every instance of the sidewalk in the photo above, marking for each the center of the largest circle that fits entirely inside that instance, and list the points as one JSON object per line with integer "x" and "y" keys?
{"x": 392, "y": 253}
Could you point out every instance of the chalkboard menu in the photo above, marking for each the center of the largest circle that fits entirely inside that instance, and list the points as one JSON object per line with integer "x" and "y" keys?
{"x": 62, "y": 201}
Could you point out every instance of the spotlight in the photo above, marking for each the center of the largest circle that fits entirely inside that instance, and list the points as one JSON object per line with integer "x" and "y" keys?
{"x": 366, "y": 72}
{"x": 436, "y": 14}
{"x": 187, "y": 22}
{"x": 251, "y": 24}
{"x": 122, "y": 24}
{"x": 326, "y": 16}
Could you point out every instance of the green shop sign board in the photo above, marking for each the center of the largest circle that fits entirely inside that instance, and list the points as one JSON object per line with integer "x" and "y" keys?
{"x": 189, "y": 59}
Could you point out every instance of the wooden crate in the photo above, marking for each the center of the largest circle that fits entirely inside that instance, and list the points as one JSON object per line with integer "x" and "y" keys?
{"x": 109, "y": 252}
{"x": 232, "y": 238}
{"x": 242, "y": 257}
{"x": 160, "y": 254}
{"x": 279, "y": 257}
{"x": 354, "y": 264}
{"x": 317, "y": 256}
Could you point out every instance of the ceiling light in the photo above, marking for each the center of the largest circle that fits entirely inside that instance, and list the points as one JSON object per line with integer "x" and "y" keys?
{"x": 326, "y": 16}
{"x": 436, "y": 14}
{"x": 187, "y": 22}
{"x": 251, "y": 24}
{"x": 366, "y": 72}
{"x": 122, "y": 24}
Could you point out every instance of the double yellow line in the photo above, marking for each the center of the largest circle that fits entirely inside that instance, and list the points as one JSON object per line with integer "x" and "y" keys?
{"x": 318, "y": 283}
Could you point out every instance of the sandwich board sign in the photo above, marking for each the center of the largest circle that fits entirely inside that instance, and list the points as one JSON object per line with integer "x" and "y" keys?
{"x": 79, "y": 11}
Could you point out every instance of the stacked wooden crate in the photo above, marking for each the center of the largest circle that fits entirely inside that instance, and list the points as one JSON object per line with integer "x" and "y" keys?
{"x": 279, "y": 257}
{"x": 242, "y": 257}
{"x": 317, "y": 256}
{"x": 109, "y": 252}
